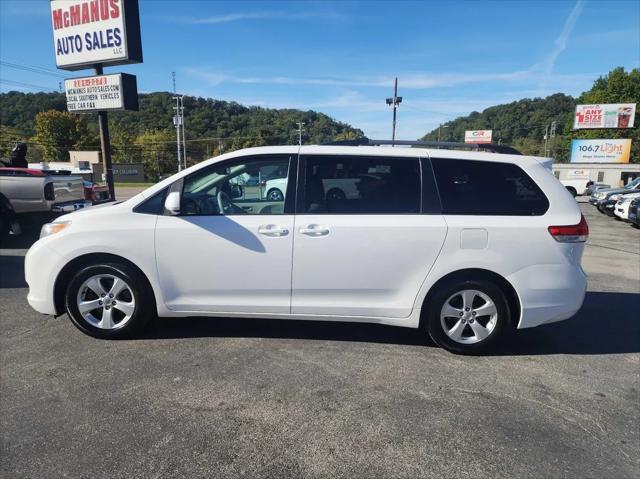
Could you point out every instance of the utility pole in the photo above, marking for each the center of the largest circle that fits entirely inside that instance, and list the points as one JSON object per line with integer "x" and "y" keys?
{"x": 300, "y": 131}
{"x": 184, "y": 142}
{"x": 439, "y": 128}
{"x": 395, "y": 102}
{"x": 177, "y": 120}
{"x": 105, "y": 146}
{"x": 549, "y": 132}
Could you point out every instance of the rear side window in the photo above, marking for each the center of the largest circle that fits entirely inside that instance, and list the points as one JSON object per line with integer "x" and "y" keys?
{"x": 361, "y": 185}
{"x": 487, "y": 188}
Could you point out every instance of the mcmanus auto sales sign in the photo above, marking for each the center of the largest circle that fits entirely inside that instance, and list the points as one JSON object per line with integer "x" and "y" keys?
{"x": 90, "y": 32}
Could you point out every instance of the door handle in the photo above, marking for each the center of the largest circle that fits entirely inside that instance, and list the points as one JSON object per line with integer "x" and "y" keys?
{"x": 314, "y": 230}
{"x": 273, "y": 230}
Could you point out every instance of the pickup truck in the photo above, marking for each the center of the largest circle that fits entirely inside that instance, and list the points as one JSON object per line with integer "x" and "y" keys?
{"x": 25, "y": 191}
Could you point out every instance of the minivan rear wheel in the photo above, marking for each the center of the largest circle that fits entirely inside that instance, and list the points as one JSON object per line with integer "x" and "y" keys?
{"x": 468, "y": 317}
{"x": 109, "y": 301}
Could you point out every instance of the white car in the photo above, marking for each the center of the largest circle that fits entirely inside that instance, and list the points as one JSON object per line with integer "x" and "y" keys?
{"x": 333, "y": 188}
{"x": 425, "y": 244}
{"x": 621, "y": 208}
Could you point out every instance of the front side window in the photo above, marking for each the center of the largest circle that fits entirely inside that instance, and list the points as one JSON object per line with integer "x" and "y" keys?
{"x": 247, "y": 186}
{"x": 361, "y": 185}
{"x": 487, "y": 188}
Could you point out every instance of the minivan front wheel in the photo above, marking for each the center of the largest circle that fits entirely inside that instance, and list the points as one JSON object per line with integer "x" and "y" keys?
{"x": 108, "y": 301}
{"x": 468, "y": 317}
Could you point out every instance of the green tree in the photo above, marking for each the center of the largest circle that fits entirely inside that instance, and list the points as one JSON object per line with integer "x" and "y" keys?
{"x": 123, "y": 146}
{"x": 157, "y": 151}
{"x": 59, "y": 131}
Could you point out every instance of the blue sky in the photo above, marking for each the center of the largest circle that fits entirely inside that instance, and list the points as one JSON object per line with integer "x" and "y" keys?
{"x": 451, "y": 57}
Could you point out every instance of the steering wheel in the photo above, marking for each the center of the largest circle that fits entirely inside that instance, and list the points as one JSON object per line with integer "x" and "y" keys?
{"x": 224, "y": 203}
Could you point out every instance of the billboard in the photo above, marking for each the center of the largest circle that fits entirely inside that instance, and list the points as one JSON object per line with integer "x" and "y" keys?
{"x": 116, "y": 91}
{"x": 600, "y": 151}
{"x": 478, "y": 136}
{"x": 90, "y": 32}
{"x": 613, "y": 115}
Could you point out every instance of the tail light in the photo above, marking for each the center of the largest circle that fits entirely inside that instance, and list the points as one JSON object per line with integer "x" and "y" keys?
{"x": 571, "y": 233}
{"x": 49, "y": 194}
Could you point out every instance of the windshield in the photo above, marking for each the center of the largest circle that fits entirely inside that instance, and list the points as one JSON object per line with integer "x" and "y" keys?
{"x": 632, "y": 184}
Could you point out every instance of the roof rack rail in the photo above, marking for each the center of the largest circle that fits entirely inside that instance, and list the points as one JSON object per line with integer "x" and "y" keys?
{"x": 490, "y": 147}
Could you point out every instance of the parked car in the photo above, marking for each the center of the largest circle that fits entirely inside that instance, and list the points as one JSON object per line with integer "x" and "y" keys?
{"x": 594, "y": 187}
{"x": 424, "y": 244}
{"x": 332, "y": 188}
{"x": 27, "y": 192}
{"x": 634, "y": 212}
{"x": 608, "y": 205}
{"x": 96, "y": 193}
{"x": 604, "y": 194}
{"x": 622, "y": 206}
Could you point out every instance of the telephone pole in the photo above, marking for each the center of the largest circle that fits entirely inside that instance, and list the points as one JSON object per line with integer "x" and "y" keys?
{"x": 395, "y": 102}
{"x": 177, "y": 121}
{"x": 300, "y": 131}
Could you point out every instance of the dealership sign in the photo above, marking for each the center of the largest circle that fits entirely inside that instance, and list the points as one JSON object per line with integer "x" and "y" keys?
{"x": 478, "y": 136}
{"x": 90, "y": 32}
{"x": 600, "y": 151}
{"x": 614, "y": 115}
{"x": 117, "y": 91}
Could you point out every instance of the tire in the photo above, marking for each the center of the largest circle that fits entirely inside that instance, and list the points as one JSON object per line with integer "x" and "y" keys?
{"x": 274, "y": 194}
{"x": 471, "y": 339}
{"x": 5, "y": 228}
{"x": 572, "y": 190}
{"x": 335, "y": 194}
{"x": 134, "y": 303}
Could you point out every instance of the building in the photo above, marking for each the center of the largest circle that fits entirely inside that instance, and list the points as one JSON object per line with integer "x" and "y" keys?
{"x": 614, "y": 174}
{"x": 89, "y": 165}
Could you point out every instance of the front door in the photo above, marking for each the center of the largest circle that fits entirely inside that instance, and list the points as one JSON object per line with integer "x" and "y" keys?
{"x": 230, "y": 248}
{"x": 363, "y": 241}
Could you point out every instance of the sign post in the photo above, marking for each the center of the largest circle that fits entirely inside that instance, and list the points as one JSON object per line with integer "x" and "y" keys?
{"x": 92, "y": 34}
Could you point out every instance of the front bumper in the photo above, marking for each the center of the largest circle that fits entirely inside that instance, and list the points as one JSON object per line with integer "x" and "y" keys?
{"x": 41, "y": 268}
{"x": 70, "y": 206}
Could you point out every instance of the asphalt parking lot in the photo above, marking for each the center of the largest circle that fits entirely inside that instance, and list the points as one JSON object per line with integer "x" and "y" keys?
{"x": 261, "y": 398}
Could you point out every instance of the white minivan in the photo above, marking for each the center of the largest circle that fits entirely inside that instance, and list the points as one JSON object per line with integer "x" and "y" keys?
{"x": 461, "y": 244}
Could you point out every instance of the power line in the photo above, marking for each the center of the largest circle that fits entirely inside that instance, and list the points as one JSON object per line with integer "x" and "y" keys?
{"x": 26, "y": 85}
{"x": 33, "y": 69}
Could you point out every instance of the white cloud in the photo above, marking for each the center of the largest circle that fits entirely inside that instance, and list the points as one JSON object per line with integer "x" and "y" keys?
{"x": 259, "y": 15}
{"x": 409, "y": 81}
{"x": 561, "y": 42}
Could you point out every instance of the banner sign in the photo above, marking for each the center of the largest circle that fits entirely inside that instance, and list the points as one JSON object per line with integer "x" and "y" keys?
{"x": 478, "y": 136}
{"x": 117, "y": 91}
{"x": 614, "y": 115}
{"x": 88, "y": 32}
{"x": 600, "y": 151}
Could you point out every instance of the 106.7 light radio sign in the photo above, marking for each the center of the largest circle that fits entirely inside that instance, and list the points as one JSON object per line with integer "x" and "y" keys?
{"x": 117, "y": 91}
{"x": 613, "y": 115}
{"x": 89, "y": 32}
{"x": 600, "y": 151}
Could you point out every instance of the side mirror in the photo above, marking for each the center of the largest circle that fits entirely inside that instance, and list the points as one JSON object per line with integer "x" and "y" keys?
{"x": 172, "y": 203}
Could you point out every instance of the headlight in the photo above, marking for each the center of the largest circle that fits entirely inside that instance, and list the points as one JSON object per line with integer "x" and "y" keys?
{"x": 53, "y": 228}
{"x": 601, "y": 196}
{"x": 615, "y": 197}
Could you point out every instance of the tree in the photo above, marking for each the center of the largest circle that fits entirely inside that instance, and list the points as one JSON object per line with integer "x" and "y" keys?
{"x": 59, "y": 131}
{"x": 123, "y": 147}
{"x": 157, "y": 150}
